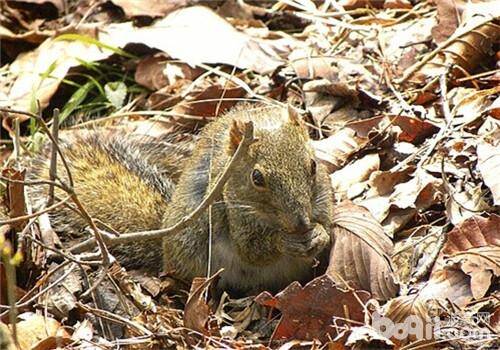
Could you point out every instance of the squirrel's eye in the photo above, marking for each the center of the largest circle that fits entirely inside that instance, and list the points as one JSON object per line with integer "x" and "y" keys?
{"x": 258, "y": 179}
{"x": 313, "y": 167}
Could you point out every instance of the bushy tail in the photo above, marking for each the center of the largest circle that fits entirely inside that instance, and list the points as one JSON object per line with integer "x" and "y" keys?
{"x": 124, "y": 181}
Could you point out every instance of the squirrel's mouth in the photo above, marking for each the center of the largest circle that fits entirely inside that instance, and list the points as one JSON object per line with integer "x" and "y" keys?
{"x": 307, "y": 244}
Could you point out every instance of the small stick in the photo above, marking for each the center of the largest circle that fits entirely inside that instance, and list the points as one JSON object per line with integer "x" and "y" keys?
{"x": 53, "y": 155}
{"x": 245, "y": 143}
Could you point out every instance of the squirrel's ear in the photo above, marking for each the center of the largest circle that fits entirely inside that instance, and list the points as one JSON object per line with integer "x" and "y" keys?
{"x": 296, "y": 119}
{"x": 236, "y": 133}
{"x": 294, "y": 116}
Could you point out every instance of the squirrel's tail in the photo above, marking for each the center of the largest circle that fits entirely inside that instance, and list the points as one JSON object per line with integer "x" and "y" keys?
{"x": 125, "y": 181}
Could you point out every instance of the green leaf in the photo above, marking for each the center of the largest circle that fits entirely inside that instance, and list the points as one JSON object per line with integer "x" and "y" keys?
{"x": 75, "y": 100}
{"x": 89, "y": 40}
{"x": 115, "y": 93}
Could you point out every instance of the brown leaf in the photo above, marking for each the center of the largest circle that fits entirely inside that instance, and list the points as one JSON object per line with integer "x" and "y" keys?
{"x": 150, "y": 8}
{"x": 448, "y": 15}
{"x": 413, "y": 130}
{"x": 209, "y": 103}
{"x": 197, "y": 311}
{"x": 347, "y": 182}
{"x": 308, "y": 312}
{"x": 360, "y": 254}
{"x": 474, "y": 44}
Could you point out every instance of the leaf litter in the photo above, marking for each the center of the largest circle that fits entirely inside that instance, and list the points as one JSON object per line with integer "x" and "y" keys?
{"x": 401, "y": 99}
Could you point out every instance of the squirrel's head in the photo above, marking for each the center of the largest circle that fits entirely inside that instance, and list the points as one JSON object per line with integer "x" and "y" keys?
{"x": 281, "y": 184}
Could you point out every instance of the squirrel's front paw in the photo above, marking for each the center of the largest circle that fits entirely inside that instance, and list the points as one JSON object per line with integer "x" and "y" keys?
{"x": 308, "y": 244}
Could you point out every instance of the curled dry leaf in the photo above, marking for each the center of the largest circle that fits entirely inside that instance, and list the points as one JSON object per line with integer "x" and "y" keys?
{"x": 360, "y": 254}
{"x": 197, "y": 311}
{"x": 310, "y": 312}
{"x": 471, "y": 43}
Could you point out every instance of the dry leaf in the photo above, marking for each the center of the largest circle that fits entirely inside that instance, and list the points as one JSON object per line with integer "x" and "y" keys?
{"x": 474, "y": 246}
{"x": 197, "y": 311}
{"x": 336, "y": 149}
{"x": 361, "y": 337}
{"x": 40, "y": 72}
{"x": 475, "y": 39}
{"x": 309, "y": 312}
{"x": 201, "y": 36}
{"x": 489, "y": 165}
{"x": 150, "y": 8}
{"x": 39, "y": 332}
{"x": 345, "y": 179}
{"x": 360, "y": 254}
{"x": 448, "y": 283}
{"x": 448, "y": 14}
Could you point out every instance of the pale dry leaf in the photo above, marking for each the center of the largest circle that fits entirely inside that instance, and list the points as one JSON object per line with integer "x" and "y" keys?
{"x": 310, "y": 65}
{"x": 360, "y": 254}
{"x": 489, "y": 166}
{"x": 336, "y": 149}
{"x": 360, "y": 337}
{"x": 34, "y": 329}
{"x": 342, "y": 180}
{"x": 448, "y": 283}
{"x": 198, "y": 35}
{"x": 383, "y": 182}
{"x": 465, "y": 204}
{"x": 423, "y": 188}
{"x": 150, "y": 8}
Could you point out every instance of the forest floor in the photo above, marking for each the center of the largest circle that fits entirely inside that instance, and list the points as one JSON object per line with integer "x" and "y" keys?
{"x": 401, "y": 98}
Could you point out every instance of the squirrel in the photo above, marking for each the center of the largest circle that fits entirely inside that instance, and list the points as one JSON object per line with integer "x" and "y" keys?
{"x": 267, "y": 227}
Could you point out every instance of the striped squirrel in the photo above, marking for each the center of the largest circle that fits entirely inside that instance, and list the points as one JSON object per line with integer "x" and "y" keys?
{"x": 272, "y": 219}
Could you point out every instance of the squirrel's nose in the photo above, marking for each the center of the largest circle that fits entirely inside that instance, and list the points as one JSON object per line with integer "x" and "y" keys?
{"x": 303, "y": 225}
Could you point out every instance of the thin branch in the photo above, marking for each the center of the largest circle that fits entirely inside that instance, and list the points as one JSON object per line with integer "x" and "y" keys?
{"x": 53, "y": 155}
